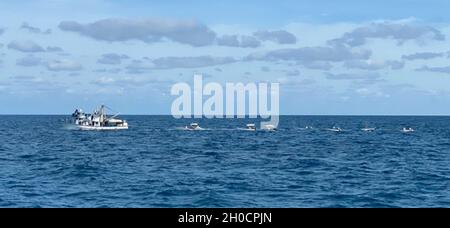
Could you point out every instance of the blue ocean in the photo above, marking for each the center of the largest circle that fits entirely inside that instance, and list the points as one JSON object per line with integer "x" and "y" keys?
{"x": 158, "y": 164}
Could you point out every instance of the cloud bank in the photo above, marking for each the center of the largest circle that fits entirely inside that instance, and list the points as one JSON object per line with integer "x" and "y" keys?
{"x": 149, "y": 31}
{"x": 387, "y": 30}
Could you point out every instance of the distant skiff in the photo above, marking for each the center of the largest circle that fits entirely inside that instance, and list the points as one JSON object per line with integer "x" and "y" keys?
{"x": 98, "y": 120}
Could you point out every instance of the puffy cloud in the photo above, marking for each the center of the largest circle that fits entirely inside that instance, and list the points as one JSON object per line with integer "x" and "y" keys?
{"x": 279, "y": 36}
{"x": 348, "y": 76}
{"x": 236, "y": 41}
{"x": 395, "y": 65}
{"x": 32, "y": 29}
{"x": 29, "y": 61}
{"x": 185, "y": 32}
{"x": 24, "y": 77}
{"x": 139, "y": 66}
{"x": 445, "y": 70}
{"x": 317, "y": 65}
{"x": 54, "y": 49}
{"x": 110, "y": 71}
{"x": 387, "y": 30}
{"x": 191, "y": 62}
{"x": 365, "y": 92}
{"x": 314, "y": 57}
{"x": 374, "y": 65}
{"x": 229, "y": 40}
{"x": 64, "y": 65}
{"x": 112, "y": 59}
{"x": 250, "y": 42}
{"x": 423, "y": 55}
{"x": 25, "y": 46}
{"x": 128, "y": 81}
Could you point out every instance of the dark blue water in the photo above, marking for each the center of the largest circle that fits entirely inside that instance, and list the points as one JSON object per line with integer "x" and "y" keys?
{"x": 155, "y": 164}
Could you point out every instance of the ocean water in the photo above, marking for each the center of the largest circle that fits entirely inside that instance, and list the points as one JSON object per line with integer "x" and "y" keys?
{"x": 157, "y": 164}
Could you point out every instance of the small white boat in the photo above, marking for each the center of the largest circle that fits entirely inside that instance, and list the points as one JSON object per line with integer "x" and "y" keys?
{"x": 308, "y": 127}
{"x": 250, "y": 127}
{"x": 335, "y": 129}
{"x": 368, "y": 129}
{"x": 99, "y": 120}
{"x": 407, "y": 130}
{"x": 269, "y": 127}
{"x": 193, "y": 126}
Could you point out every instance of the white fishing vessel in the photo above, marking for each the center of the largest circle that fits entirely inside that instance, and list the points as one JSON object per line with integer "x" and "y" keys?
{"x": 407, "y": 130}
{"x": 368, "y": 129}
{"x": 193, "y": 126}
{"x": 335, "y": 129}
{"x": 250, "y": 127}
{"x": 270, "y": 127}
{"x": 98, "y": 120}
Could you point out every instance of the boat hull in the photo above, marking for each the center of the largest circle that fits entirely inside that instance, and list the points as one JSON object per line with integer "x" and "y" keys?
{"x": 92, "y": 128}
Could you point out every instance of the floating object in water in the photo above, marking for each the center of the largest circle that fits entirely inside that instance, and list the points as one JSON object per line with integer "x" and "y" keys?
{"x": 406, "y": 130}
{"x": 335, "y": 129}
{"x": 368, "y": 129}
{"x": 269, "y": 127}
{"x": 98, "y": 120}
{"x": 308, "y": 127}
{"x": 250, "y": 127}
{"x": 193, "y": 126}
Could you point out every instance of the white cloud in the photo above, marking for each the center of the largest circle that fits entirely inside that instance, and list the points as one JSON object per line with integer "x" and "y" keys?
{"x": 423, "y": 55}
{"x": 112, "y": 59}
{"x": 54, "y": 49}
{"x": 352, "y": 76}
{"x": 64, "y": 65}
{"x": 445, "y": 70}
{"x": 149, "y": 31}
{"x": 139, "y": 66}
{"x": 25, "y": 46}
{"x": 32, "y": 29}
{"x": 366, "y": 92}
{"x": 374, "y": 65}
{"x": 238, "y": 41}
{"x": 400, "y": 32}
{"x": 278, "y": 36}
{"x": 29, "y": 61}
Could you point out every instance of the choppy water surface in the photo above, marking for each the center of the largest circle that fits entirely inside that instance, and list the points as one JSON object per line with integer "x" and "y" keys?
{"x": 157, "y": 164}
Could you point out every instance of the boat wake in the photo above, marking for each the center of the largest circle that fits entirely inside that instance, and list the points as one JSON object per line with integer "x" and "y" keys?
{"x": 190, "y": 129}
{"x": 245, "y": 129}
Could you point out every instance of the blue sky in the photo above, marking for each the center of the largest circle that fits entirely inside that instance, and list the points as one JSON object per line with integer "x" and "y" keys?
{"x": 330, "y": 57}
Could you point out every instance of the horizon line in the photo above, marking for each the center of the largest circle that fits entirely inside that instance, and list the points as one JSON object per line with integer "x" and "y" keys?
{"x": 224, "y": 117}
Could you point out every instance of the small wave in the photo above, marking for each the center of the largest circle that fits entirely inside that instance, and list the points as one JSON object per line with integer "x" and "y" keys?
{"x": 188, "y": 129}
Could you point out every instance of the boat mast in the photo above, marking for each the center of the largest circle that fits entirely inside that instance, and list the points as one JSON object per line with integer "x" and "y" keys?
{"x": 102, "y": 115}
